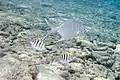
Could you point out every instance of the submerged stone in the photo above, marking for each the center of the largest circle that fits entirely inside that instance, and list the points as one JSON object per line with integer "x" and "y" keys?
{"x": 45, "y": 74}
{"x": 117, "y": 50}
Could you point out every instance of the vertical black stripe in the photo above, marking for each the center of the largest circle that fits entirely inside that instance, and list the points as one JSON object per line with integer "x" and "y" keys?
{"x": 63, "y": 58}
{"x": 36, "y": 42}
{"x": 67, "y": 56}
{"x": 39, "y": 44}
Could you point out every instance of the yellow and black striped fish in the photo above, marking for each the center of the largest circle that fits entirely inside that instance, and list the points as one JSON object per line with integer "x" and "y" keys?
{"x": 66, "y": 57}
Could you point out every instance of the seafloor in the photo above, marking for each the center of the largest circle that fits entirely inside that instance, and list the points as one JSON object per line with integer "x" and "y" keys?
{"x": 97, "y": 54}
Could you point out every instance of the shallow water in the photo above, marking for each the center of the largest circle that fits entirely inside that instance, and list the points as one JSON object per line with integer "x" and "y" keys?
{"x": 102, "y": 15}
{"x": 96, "y": 55}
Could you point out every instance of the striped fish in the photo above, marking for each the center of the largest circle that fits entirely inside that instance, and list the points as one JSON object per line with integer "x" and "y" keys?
{"x": 37, "y": 45}
{"x": 66, "y": 57}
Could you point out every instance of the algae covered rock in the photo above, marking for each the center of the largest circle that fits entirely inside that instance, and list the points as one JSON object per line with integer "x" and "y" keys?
{"x": 10, "y": 67}
{"x": 117, "y": 50}
{"x": 46, "y": 74}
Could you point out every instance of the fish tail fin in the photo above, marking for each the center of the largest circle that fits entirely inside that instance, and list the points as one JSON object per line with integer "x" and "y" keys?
{"x": 59, "y": 40}
{"x": 53, "y": 29}
{"x": 49, "y": 24}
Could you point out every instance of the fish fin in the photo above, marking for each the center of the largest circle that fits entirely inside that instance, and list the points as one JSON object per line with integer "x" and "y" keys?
{"x": 53, "y": 43}
{"x": 47, "y": 35}
{"x": 53, "y": 29}
{"x": 59, "y": 40}
{"x": 52, "y": 26}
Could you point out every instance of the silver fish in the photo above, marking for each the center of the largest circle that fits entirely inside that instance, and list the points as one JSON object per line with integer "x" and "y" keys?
{"x": 68, "y": 30}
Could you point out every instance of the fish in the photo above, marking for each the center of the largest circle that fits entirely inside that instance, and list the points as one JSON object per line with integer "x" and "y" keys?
{"x": 34, "y": 75}
{"x": 66, "y": 57}
{"x": 68, "y": 30}
{"x": 37, "y": 45}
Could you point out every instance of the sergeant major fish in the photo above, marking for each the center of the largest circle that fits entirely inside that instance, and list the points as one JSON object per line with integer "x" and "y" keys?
{"x": 37, "y": 45}
{"x": 66, "y": 58}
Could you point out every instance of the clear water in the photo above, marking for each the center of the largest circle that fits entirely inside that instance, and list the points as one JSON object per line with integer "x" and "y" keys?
{"x": 102, "y": 16}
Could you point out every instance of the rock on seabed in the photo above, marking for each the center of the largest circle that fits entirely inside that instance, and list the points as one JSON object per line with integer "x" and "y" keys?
{"x": 117, "y": 48}
{"x": 45, "y": 74}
